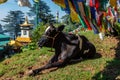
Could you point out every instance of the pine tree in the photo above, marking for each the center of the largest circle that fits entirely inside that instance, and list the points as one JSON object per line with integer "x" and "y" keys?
{"x": 70, "y": 25}
{"x": 13, "y": 21}
{"x": 1, "y": 30}
{"x": 43, "y": 11}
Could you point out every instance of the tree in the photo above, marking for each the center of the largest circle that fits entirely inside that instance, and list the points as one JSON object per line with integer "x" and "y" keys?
{"x": 69, "y": 24}
{"x": 42, "y": 11}
{"x": 1, "y": 30}
{"x": 13, "y": 21}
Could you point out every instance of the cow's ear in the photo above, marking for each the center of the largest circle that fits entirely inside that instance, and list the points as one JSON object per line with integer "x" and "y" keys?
{"x": 60, "y": 28}
{"x": 51, "y": 25}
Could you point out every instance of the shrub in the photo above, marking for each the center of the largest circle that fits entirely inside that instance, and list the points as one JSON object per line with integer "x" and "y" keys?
{"x": 37, "y": 32}
{"x": 30, "y": 46}
{"x": 117, "y": 27}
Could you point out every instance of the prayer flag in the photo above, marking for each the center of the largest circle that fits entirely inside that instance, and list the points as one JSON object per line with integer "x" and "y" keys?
{"x": 3, "y": 1}
{"x": 24, "y": 3}
{"x": 60, "y": 3}
{"x": 113, "y": 3}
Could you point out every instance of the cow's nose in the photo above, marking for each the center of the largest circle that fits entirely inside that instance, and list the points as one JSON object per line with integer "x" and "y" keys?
{"x": 40, "y": 43}
{"x": 37, "y": 43}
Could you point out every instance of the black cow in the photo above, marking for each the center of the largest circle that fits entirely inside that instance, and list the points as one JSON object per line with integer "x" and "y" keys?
{"x": 67, "y": 47}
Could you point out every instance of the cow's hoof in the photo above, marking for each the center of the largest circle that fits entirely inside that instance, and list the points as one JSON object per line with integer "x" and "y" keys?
{"x": 30, "y": 73}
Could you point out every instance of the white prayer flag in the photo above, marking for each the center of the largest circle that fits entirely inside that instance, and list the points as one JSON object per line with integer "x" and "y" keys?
{"x": 24, "y": 3}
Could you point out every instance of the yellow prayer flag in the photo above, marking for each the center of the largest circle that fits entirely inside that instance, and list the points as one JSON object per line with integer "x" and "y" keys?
{"x": 113, "y": 3}
{"x": 3, "y": 1}
{"x": 73, "y": 13}
{"x": 60, "y": 3}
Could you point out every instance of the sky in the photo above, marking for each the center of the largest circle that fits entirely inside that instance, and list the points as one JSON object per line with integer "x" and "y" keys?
{"x": 12, "y": 5}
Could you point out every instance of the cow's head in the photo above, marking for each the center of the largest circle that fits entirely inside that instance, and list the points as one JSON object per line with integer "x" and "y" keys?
{"x": 49, "y": 36}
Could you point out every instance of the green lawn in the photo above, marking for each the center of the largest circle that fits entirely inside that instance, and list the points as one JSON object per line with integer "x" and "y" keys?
{"x": 105, "y": 66}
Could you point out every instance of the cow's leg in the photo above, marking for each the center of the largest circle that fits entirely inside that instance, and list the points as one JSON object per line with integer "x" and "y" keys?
{"x": 90, "y": 53}
{"x": 76, "y": 60}
{"x": 59, "y": 63}
{"x": 53, "y": 59}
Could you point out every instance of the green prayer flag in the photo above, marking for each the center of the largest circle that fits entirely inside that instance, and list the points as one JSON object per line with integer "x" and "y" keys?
{"x": 82, "y": 22}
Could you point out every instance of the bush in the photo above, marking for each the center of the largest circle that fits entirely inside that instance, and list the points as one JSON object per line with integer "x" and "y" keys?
{"x": 117, "y": 27}
{"x": 30, "y": 46}
{"x": 37, "y": 32}
{"x": 69, "y": 28}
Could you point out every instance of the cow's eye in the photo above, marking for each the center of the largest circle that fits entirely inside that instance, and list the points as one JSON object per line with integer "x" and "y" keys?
{"x": 47, "y": 33}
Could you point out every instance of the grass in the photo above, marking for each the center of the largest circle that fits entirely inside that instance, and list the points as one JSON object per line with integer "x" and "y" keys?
{"x": 105, "y": 67}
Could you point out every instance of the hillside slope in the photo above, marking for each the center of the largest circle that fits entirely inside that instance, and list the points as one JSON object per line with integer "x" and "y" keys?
{"x": 105, "y": 65}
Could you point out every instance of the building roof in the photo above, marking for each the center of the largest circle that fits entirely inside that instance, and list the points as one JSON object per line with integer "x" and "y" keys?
{"x": 26, "y": 23}
{"x": 15, "y": 43}
{"x": 23, "y": 39}
{"x": 1, "y": 48}
{"x": 4, "y": 39}
{"x": 4, "y": 36}
{"x": 3, "y": 43}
